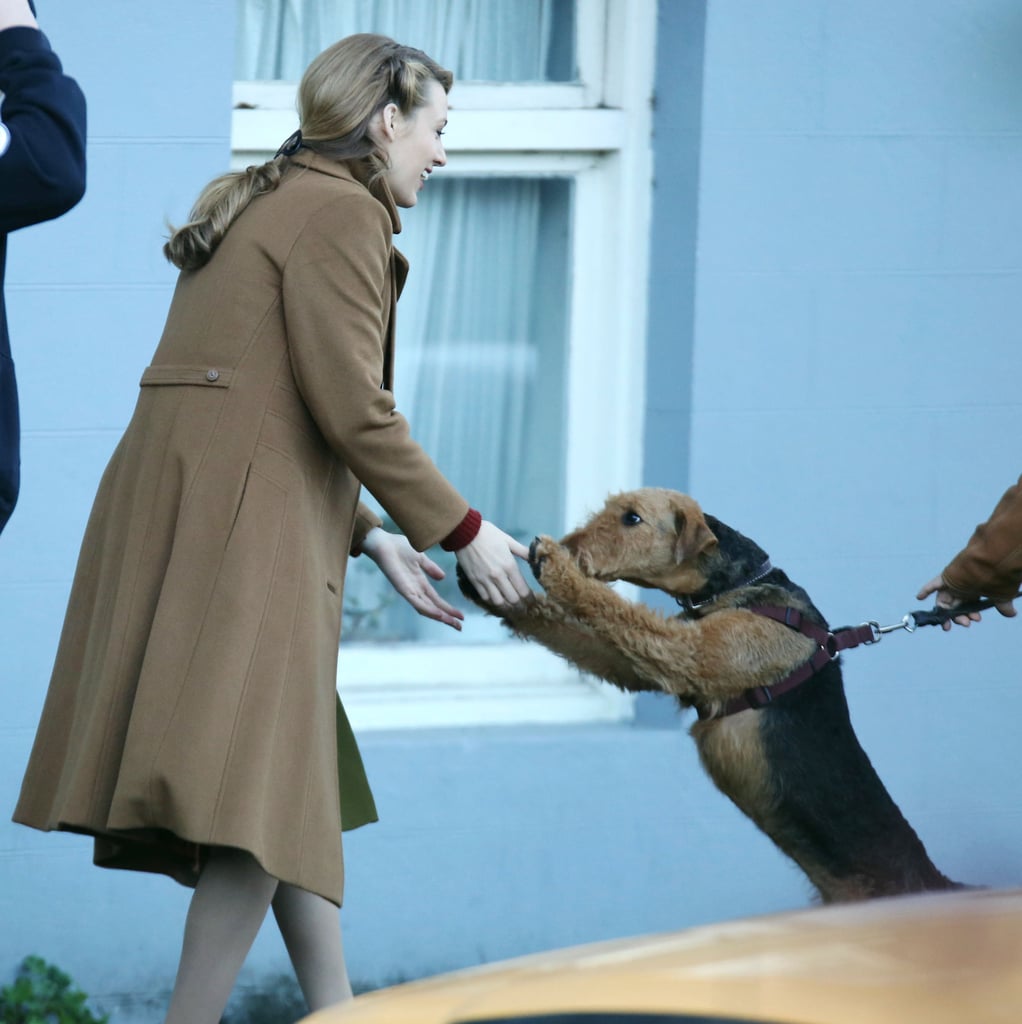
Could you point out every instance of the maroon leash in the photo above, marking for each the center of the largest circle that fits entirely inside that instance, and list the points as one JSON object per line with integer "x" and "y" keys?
{"x": 829, "y": 644}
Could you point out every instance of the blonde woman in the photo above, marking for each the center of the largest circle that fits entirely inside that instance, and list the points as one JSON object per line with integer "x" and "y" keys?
{"x": 190, "y": 723}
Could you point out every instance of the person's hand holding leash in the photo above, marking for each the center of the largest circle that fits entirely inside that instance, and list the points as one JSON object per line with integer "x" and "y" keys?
{"x": 989, "y": 567}
{"x": 946, "y": 598}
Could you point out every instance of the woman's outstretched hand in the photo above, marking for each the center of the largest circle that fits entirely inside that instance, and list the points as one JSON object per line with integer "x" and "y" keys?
{"x": 409, "y": 572}
{"x": 491, "y": 564}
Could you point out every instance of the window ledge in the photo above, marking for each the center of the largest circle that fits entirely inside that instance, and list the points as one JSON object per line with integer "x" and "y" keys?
{"x": 390, "y": 687}
{"x": 470, "y": 131}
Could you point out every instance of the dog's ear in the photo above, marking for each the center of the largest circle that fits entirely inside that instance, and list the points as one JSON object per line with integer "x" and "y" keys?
{"x": 692, "y": 535}
{"x": 583, "y": 559}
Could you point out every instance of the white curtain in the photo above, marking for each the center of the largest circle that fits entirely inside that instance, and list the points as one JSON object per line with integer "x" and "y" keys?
{"x": 480, "y": 365}
{"x": 467, "y": 353}
{"x": 483, "y": 40}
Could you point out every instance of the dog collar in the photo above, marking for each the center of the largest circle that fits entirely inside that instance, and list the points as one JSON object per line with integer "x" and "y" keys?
{"x": 692, "y": 607}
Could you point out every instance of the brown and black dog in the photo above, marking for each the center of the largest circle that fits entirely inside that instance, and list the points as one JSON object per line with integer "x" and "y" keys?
{"x": 791, "y": 762}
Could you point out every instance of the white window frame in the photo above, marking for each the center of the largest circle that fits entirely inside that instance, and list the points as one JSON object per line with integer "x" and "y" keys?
{"x": 599, "y": 133}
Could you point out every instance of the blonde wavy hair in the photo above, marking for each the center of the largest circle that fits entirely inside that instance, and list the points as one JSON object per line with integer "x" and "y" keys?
{"x": 339, "y": 95}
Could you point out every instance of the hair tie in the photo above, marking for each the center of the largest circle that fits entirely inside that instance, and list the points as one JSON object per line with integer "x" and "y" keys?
{"x": 291, "y": 144}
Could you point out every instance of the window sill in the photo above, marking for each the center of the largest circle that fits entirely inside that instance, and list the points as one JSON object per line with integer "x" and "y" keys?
{"x": 434, "y": 686}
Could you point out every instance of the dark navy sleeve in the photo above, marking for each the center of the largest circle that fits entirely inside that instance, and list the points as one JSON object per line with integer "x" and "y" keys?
{"x": 42, "y": 171}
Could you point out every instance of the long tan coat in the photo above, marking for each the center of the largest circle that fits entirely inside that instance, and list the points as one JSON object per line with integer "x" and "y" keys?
{"x": 193, "y": 698}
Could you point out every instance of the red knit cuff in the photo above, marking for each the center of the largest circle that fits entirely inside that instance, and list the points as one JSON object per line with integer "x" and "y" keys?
{"x": 464, "y": 533}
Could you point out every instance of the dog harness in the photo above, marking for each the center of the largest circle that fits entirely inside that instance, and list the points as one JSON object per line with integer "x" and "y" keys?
{"x": 830, "y": 643}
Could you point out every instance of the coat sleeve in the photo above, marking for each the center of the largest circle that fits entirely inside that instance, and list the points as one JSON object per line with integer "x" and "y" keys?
{"x": 990, "y": 565}
{"x": 42, "y": 170}
{"x": 365, "y": 520}
{"x": 334, "y": 293}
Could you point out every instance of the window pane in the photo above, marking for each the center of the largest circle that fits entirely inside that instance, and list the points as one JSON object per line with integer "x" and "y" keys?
{"x": 479, "y": 40}
{"x": 481, "y": 368}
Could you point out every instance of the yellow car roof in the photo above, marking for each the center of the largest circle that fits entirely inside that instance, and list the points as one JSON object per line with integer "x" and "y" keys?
{"x": 950, "y": 958}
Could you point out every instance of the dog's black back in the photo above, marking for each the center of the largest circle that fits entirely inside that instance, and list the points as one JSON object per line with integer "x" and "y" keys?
{"x": 835, "y": 807}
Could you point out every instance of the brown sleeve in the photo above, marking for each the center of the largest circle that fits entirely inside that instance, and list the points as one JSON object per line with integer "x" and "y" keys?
{"x": 333, "y": 289}
{"x": 990, "y": 565}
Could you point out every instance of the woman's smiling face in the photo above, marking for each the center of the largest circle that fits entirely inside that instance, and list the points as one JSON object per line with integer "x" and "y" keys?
{"x": 413, "y": 144}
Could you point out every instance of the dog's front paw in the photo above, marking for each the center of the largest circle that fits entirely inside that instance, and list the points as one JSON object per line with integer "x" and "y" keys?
{"x": 554, "y": 567}
{"x": 540, "y": 551}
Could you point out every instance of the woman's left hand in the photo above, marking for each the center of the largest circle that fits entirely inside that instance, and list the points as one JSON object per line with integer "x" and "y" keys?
{"x": 409, "y": 571}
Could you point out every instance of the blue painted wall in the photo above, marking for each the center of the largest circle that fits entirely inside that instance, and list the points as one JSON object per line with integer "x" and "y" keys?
{"x": 87, "y": 295}
{"x": 836, "y": 292}
{"x": 856, "y": 357}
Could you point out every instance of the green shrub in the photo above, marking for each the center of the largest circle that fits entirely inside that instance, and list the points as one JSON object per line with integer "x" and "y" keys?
{"x": 44, "y": 994}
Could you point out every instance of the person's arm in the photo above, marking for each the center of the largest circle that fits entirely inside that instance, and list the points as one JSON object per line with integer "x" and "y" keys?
{"x": 42, "y": 167}
{"x": 333, "y": 288}
{"x": 334, "y": 283}
{"x": 989, "y": 566}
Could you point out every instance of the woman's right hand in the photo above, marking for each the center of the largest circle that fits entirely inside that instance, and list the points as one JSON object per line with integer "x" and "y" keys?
{"x": 490, "y": 563}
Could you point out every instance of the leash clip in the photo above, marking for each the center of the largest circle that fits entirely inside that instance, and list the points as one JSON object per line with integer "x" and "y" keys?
{"x": 907, "y": 623}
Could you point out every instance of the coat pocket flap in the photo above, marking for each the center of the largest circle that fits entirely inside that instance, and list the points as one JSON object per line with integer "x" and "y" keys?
{"x": 206, "y": 376}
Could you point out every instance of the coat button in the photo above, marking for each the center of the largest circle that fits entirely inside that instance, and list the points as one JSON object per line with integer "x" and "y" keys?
{"x": 212, "y": 375}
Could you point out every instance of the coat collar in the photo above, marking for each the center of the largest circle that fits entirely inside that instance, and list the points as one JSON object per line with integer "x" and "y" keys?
{"x": 379, "y": 189}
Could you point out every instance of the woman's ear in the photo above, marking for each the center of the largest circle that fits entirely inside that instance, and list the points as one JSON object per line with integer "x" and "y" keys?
{"x": 383, "y": 127}
{"x": 391, "y": 114}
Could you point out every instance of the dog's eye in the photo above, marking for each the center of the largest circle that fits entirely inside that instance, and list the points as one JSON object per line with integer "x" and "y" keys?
{"x": 631, "y": 519}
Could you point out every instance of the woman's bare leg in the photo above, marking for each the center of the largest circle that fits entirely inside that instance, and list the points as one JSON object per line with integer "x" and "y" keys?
{"x": 227, "y": 909}
{"x": 311, "y": 928}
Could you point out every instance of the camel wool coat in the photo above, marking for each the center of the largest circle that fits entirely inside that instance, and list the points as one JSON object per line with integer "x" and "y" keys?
{"x": 193, "y": 697}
